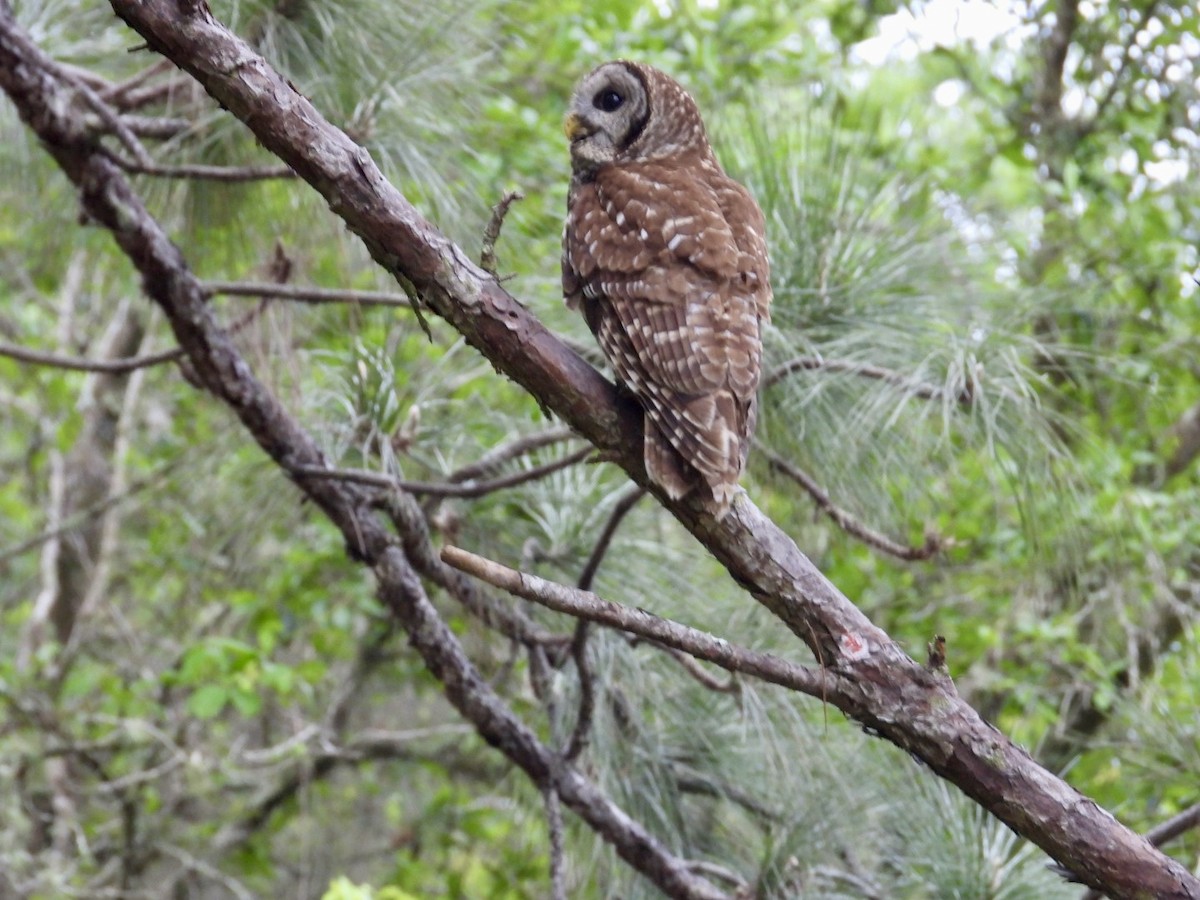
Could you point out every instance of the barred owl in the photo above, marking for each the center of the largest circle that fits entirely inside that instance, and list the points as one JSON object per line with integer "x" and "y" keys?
{"x": 666, "y": 257}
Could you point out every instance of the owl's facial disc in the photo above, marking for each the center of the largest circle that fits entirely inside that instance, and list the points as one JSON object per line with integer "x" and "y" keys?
{"x": 607, "y": 113}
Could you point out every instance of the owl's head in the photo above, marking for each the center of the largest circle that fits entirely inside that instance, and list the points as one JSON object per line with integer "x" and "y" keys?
{"x": 625, "y": 110}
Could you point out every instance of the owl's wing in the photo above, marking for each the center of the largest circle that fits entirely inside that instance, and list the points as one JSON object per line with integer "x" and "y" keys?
{"x": 681, "y": 268}
{"x": 674, "y": 290}
{"x": 737, "y": 205}
{"x": 707, "y": 426}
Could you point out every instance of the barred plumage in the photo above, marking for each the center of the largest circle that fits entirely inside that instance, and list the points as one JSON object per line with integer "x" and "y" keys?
{"x": 667, "y": 257}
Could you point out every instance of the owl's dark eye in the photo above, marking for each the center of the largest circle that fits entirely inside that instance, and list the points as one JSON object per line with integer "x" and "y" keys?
{"x": 607, "y": 100}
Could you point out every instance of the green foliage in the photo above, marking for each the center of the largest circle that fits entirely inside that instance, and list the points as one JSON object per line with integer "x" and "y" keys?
{"x": 345, "y": 889}
{"x": 234, "y": 705}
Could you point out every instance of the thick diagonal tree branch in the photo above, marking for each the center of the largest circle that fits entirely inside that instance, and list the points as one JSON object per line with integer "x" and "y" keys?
{"x": 868, "y": 677}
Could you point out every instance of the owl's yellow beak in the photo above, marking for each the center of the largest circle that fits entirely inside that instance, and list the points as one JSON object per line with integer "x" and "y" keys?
{"x": 573, "y": 127}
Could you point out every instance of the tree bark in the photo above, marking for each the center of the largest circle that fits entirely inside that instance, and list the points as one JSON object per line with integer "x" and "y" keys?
{"x": 869, "y": 678}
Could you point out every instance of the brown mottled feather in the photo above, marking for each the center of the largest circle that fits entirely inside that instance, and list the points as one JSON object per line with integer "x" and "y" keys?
{"x": 667, "y": 256}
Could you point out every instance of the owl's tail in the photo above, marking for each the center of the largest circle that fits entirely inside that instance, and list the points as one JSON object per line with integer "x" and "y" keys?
{"x": 711, "y": 454}
{"x": 664, "y": 465}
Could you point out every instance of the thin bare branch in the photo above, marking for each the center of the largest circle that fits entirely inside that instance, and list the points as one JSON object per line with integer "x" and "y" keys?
{"x": 491, "y": 234}
{"x": 444, "y": 488}
{"x": 108, "y": 115}
{"x": 1089, "y": 125}
{"x": 302, "y": 294}
{"x": 108, "y": 366}
{"x": 78, "y": 364}
{"x": 497, "y": 457}
{"x": 558, "y": 861}
{"x": 136, "y": 98}
{"x": 192, "y": 863}
{"x": 587, "y": 693}
{"x": 1163, "y": 833}
{"x": 621, "y": 509}
{"x": 933, "y": 545}
{"x": 728, "y": 685}
{"x": 157, "y": 128}
{"x": 586, "y": 605}
{"x": 583, "y": 668}
{"x": 205, "y": 173}
{"x": 691, "y": 781}
{"x": 965, "y": 397}
{"x": 1175, "y": 826}
{"x": 114, "y": 92}
{"x": 723, "y": 873}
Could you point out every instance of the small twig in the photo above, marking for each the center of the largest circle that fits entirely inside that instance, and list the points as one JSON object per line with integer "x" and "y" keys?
{"x": 304, "y": 294}
{"x": 200, "y": 867}
{"x": 620, "y": 510}
{"x": 74, "y": 521}
{"x": 587, "y": 693}
{"x": 107, "y": 114}
{"x": 133, "y": 99}
{"x": 87, "y": 76}
{"x": 965, "y": 397}
{"x": 692, "y": 781}
{"x": 934, "y": 543}
{"x": 285, "y": 749}
{"x": 48, "y": 594}
{"x": 204, "y": 173}
{"x": 112, "y": 93}
{"x": 1174, "y": 826}
{"x": 714, "y": 870}
{"x": 700, "y": 644}
{"x": 78, "y": 364}
{"x": 108, "y": 366}
{"x": 690, "y": 666}
{"x": 729, "y": 686}
{"x": 935, "y": 661}
{"x": 491, "y": 234}
{"x": 1163, "y": 833}
{"x": 142, "y": 776}
{"x": 540, "y": 680}
{"x": 554, "y": 823}
{"x": 494, "y": 459}
{"x": 1086, "y": 127}
{"x": 156, "y": 127}
{"x": 376, "y": 741}
{"x": 442, "y": 488}
{"x": 583, "y": 669}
